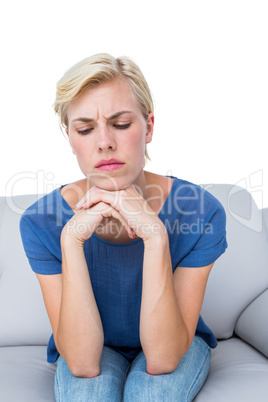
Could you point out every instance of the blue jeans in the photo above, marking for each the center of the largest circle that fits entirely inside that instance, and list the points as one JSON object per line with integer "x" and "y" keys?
{"x": 120, "y": 380}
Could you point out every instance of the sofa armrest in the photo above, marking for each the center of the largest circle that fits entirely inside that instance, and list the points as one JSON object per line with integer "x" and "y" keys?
{"x": 252, "y": 325}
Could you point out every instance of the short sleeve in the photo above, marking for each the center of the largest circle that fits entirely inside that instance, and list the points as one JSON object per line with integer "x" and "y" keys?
{"x": 211, "y": 244}
{"x": 41, "y": 260}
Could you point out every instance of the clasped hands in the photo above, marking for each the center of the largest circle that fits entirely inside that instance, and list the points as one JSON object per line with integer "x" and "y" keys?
{"x": 127, "y": 206}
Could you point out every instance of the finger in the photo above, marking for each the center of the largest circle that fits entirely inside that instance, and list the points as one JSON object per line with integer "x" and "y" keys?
{"x": 84, "y": 198}
{"x": 84, "y": 201}
{"x": 122, "y": 200}
{"x": 78, "y": 205}
{"x": 100, "y": 195}
{"x": 115, "y": 214}
{"x": 111, "y": 212}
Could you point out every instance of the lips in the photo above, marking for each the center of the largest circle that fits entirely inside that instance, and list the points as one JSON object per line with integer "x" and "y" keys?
{"x": 108, "y": 162}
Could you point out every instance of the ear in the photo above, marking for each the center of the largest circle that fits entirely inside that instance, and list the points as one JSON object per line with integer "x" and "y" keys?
{"x": 66, "y": 130}
{"x": 150, "y": 128}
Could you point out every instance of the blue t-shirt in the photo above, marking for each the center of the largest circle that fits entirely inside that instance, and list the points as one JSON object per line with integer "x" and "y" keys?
{"x": 195, "y": 221}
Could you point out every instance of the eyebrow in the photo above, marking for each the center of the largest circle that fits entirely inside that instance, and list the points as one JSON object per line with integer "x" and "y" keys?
{"x": 114, "y": 116}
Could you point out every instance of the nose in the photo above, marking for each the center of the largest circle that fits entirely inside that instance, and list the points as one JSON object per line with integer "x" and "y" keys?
{"x": 105, "y": 139}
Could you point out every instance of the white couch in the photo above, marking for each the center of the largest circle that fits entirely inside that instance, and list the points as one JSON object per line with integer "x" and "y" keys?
{"x": 235, "y": 307}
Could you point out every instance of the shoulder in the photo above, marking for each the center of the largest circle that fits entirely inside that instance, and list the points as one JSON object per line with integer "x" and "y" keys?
{"x": 200, "y": 233}
{"x": 193, "y": 197}
{"x": 40, "y": 228}
{"x": 190, "y": 204}
{"x": 39, "y": 208}
{"x": 45, "y": 213}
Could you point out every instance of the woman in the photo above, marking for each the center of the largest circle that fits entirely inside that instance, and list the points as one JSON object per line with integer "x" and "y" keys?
{"x": 122, "y": 255}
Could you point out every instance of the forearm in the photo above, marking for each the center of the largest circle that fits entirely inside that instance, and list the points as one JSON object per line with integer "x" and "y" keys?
{"x": 80, "y": 333}
{"x": 163, "y": 334}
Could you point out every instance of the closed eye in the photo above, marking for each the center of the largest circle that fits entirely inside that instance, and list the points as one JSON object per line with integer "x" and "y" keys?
{"x": 117, "y": 126}
{"x": 86, "y": 131}
{"x": 122, "y": 126}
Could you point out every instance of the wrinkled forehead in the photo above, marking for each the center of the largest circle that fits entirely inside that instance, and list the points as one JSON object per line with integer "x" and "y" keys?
{"x": 105, "y": 100}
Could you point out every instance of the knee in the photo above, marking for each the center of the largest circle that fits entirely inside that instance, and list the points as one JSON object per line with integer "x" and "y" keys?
{"x": 141, "y": 386}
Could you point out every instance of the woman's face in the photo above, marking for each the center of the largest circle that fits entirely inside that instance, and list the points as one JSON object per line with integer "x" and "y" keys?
{"x": 107, "y": 123}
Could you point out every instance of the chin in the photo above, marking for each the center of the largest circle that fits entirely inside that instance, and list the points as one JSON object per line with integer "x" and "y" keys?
{"x": 108, "y": 182}
{"x": 113, "y": 181}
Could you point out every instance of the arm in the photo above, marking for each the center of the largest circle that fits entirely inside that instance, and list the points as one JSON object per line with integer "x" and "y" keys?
{"x": 69, "y": 298}
{"x": 170, "y": 307}
{"x": 73, "y": 312}
{"x": 79, "y": 334}
{"x": 171, "y": 304}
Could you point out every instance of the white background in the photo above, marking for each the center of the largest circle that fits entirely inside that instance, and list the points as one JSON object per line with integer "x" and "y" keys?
{"x": 206, "y": 63}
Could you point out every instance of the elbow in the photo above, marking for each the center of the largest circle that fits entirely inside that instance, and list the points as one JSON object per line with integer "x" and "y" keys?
{"x": 79, "y": 368}
{"x": 160, "y": 368}
{"x": 84, "y": 372}
{"x": 165, "y": 364}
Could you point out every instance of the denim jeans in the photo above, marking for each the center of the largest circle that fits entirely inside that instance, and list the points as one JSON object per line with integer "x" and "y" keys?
{"x": 120, "y": 380}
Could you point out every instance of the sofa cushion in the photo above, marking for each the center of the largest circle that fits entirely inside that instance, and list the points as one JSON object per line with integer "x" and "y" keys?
{"x": 252, "y": 325}
{"x": 238, "y": 372}
{"x": 23, "y": 317}
{"x": 25, "y": 374}
{"x": 241, "y": 273}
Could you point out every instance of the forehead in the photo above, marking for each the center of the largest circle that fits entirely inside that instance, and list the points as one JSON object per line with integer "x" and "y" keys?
{"x": 103, "y": 100}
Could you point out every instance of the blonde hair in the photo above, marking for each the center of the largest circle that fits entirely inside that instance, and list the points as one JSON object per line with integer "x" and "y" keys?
{"x": 95, "y": 70}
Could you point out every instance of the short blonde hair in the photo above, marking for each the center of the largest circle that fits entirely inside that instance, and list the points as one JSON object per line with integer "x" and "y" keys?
{"x": 95, "y": 70}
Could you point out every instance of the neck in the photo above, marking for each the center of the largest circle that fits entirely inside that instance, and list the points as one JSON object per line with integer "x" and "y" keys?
{"x": 142, "y": 184}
